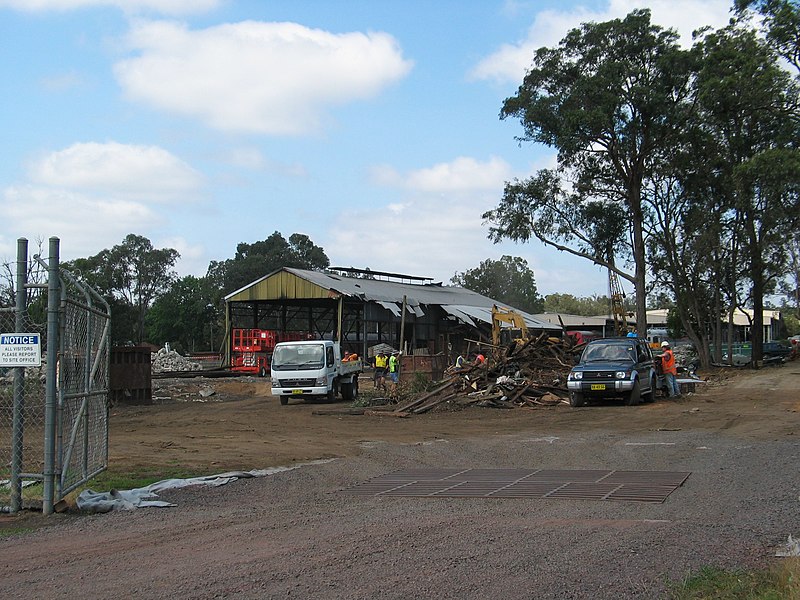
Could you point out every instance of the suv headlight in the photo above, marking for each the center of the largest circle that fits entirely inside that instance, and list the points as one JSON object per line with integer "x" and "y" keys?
{"x": 576, "y": 375}
{"x": 622, "y": 374}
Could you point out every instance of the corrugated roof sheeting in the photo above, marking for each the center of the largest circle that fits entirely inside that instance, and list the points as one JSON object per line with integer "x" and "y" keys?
{"x": 295, "y": 284}
{"x": 392, "y": 306}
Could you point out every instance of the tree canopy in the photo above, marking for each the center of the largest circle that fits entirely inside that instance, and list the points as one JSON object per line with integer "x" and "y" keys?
{"x": 607, "y": 98}
{"x": 131, "y": 275}
{"x": 255, "y": 260}
{"x": 677, "y": 169}
{"x": 508, "y": 280}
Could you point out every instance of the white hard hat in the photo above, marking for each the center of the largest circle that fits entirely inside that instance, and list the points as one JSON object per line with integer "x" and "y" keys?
{"x": 665, "y": 344}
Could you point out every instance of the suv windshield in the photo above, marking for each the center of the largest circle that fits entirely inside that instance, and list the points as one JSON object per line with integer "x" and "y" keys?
{"x": 298, "y": 356}
{"x": 609, "y": 352}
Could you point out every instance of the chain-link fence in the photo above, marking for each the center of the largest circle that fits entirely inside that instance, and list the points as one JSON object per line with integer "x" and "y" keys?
{"x": 53, "y": 418}
{"x": 22, "y": 447}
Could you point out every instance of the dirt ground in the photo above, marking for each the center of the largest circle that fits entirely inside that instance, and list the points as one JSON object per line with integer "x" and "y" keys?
{"x": 298, "y": 534}
{"x": 241, "y": 426}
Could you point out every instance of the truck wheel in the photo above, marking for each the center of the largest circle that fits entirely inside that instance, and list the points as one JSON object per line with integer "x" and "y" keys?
{"x": 284, "y": 400}
{"x": 636, "y": 394}
{"x": 576, "y": 399}
{"x": 331, "y": 396}
{"x": 348, "y": 392}
{"x": 262, "y": 372}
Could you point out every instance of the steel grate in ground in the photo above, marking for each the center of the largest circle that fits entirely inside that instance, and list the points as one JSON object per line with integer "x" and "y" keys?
{"x": 628, "y": 486}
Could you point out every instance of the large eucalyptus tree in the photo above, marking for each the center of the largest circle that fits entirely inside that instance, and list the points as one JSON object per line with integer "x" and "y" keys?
{"x": 607, "y": 98}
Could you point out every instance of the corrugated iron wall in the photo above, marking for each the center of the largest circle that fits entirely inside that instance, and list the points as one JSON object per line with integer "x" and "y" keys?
{"x": 282, "y": 286}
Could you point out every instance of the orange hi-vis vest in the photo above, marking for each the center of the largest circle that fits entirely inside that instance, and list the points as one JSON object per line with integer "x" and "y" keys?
{"x": 668, "y": 362}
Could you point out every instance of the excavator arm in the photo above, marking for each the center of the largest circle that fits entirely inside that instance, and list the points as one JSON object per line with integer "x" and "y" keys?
{"x": 511, "y": 319}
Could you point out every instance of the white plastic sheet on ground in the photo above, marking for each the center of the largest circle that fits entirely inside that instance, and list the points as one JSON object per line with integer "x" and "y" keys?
{"x": 792, "y": 548}
{"x": 102, "y": 502}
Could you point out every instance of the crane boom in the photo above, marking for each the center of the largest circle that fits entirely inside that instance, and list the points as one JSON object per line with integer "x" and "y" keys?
{"x": 617, "y": 297}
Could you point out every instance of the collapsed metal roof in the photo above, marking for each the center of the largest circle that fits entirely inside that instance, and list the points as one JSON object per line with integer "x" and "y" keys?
{"x": 461, "y": 304}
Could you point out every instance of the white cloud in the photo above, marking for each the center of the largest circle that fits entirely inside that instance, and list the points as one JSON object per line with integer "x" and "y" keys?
{"x": 511, "y": 61}
{"x": 257, "y": 77}
{"x": 122, "y": 170}
{"x": 62, "y": 81}
{"x": 193, "y": 259}
{"x": 91, "y": 195}
{"x": 461, "y": 174}
{"x": 436, "y": 229}
{"x": 85, "y": 224}
{"x": 253, "y": 159}
{"x": 167, "y": 7}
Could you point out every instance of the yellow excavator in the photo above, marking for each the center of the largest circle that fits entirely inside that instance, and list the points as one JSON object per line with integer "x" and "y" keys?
{"x": 507, "y": 325}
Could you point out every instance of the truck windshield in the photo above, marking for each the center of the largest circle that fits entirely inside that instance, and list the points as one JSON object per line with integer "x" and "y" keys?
{"x": 615, "y": 352}
{"x": 298, "y": 357}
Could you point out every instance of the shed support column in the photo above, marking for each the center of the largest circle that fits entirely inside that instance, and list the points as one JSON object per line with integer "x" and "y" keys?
{"x": 402, "y": 325}
{"x": 339, "y": 321}
{"x": 364, "y": 329}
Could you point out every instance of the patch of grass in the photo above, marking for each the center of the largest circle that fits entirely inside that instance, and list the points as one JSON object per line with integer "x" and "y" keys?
{"x": 9, "y": 531}
{"x": 780, "y": 582}
{"x": 129, "y": 480}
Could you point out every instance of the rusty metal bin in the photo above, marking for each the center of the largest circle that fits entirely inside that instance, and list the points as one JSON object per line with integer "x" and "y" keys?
{"x": 430, "y": 366}
{"x": 130, "y": 375}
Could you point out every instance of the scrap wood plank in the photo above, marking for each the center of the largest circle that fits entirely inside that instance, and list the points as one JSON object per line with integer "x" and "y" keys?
{"x": 432, "y": 403}
{"x": 522, "y": 389}
{"x": 338, "y": 411}
{"x": 424, "y": 397}
{"x": 386, "y": 413}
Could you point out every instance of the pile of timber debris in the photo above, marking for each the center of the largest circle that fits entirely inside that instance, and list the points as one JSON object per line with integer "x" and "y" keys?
{"x": 533, "y": 373}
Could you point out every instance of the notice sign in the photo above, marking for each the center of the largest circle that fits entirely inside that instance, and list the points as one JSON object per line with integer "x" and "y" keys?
{"x": 20, "y": 350}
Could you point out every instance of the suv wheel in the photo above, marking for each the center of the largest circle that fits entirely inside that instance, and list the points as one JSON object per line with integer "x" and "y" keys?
{"x": 651, "y": 395}
{"x": 636, "y": 394}
{"x": 576, "y": 399}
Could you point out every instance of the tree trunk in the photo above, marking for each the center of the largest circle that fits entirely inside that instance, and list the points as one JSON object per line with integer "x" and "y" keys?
{"x": 637, "y": 220}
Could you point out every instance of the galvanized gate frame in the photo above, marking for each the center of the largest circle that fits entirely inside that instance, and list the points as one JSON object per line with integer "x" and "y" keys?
{"x": 94, "y": 385}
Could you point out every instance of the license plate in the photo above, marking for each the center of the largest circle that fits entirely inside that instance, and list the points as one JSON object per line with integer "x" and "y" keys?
{"x": 598, "y": 386}
{"x": 297, "y": 391}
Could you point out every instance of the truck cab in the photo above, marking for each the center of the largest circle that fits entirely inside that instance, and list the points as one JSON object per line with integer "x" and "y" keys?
{"x": 313, "y": 368}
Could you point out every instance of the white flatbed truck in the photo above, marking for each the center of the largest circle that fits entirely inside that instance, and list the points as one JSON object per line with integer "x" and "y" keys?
{"x": 313, "y": 369}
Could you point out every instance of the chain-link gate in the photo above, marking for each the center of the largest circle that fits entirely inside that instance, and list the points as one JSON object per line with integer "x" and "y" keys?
{"x": 53, "y": 418}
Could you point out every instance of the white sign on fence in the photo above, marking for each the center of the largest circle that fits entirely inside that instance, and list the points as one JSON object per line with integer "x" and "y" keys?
{"x": 20, "y": 350}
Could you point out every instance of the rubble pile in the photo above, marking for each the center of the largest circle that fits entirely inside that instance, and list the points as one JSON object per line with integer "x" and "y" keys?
{"x": 31, "y": 374}
{"x": 166, "y": 360}
{"x": 532, "y": 373}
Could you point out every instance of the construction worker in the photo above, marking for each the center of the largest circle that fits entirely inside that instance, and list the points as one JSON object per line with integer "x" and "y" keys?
{"x": 670, "y": 370}
{"x": 480, "y": 359}
{"x": 394, "y": 369}
{"x": 381, "y": 363}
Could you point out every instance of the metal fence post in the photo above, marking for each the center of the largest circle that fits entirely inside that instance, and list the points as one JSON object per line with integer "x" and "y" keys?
{"x": 53, "y": 301}
{"x": 18, "y": 419}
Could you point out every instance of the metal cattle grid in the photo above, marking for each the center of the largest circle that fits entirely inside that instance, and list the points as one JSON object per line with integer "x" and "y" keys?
{"x": 600, "y": 484}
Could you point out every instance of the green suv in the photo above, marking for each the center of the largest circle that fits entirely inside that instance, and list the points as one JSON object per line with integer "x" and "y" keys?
{"x": 614, "y": 368}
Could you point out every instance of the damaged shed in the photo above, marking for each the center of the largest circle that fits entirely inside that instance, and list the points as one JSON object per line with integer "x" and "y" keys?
{"x": 361, "y": 308}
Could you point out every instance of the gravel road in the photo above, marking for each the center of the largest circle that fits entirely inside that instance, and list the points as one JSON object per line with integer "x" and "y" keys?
{"x": 296, "y": 534}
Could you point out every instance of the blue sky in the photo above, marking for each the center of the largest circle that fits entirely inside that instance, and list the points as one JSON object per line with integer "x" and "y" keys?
{"x": 370, "y": 126}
